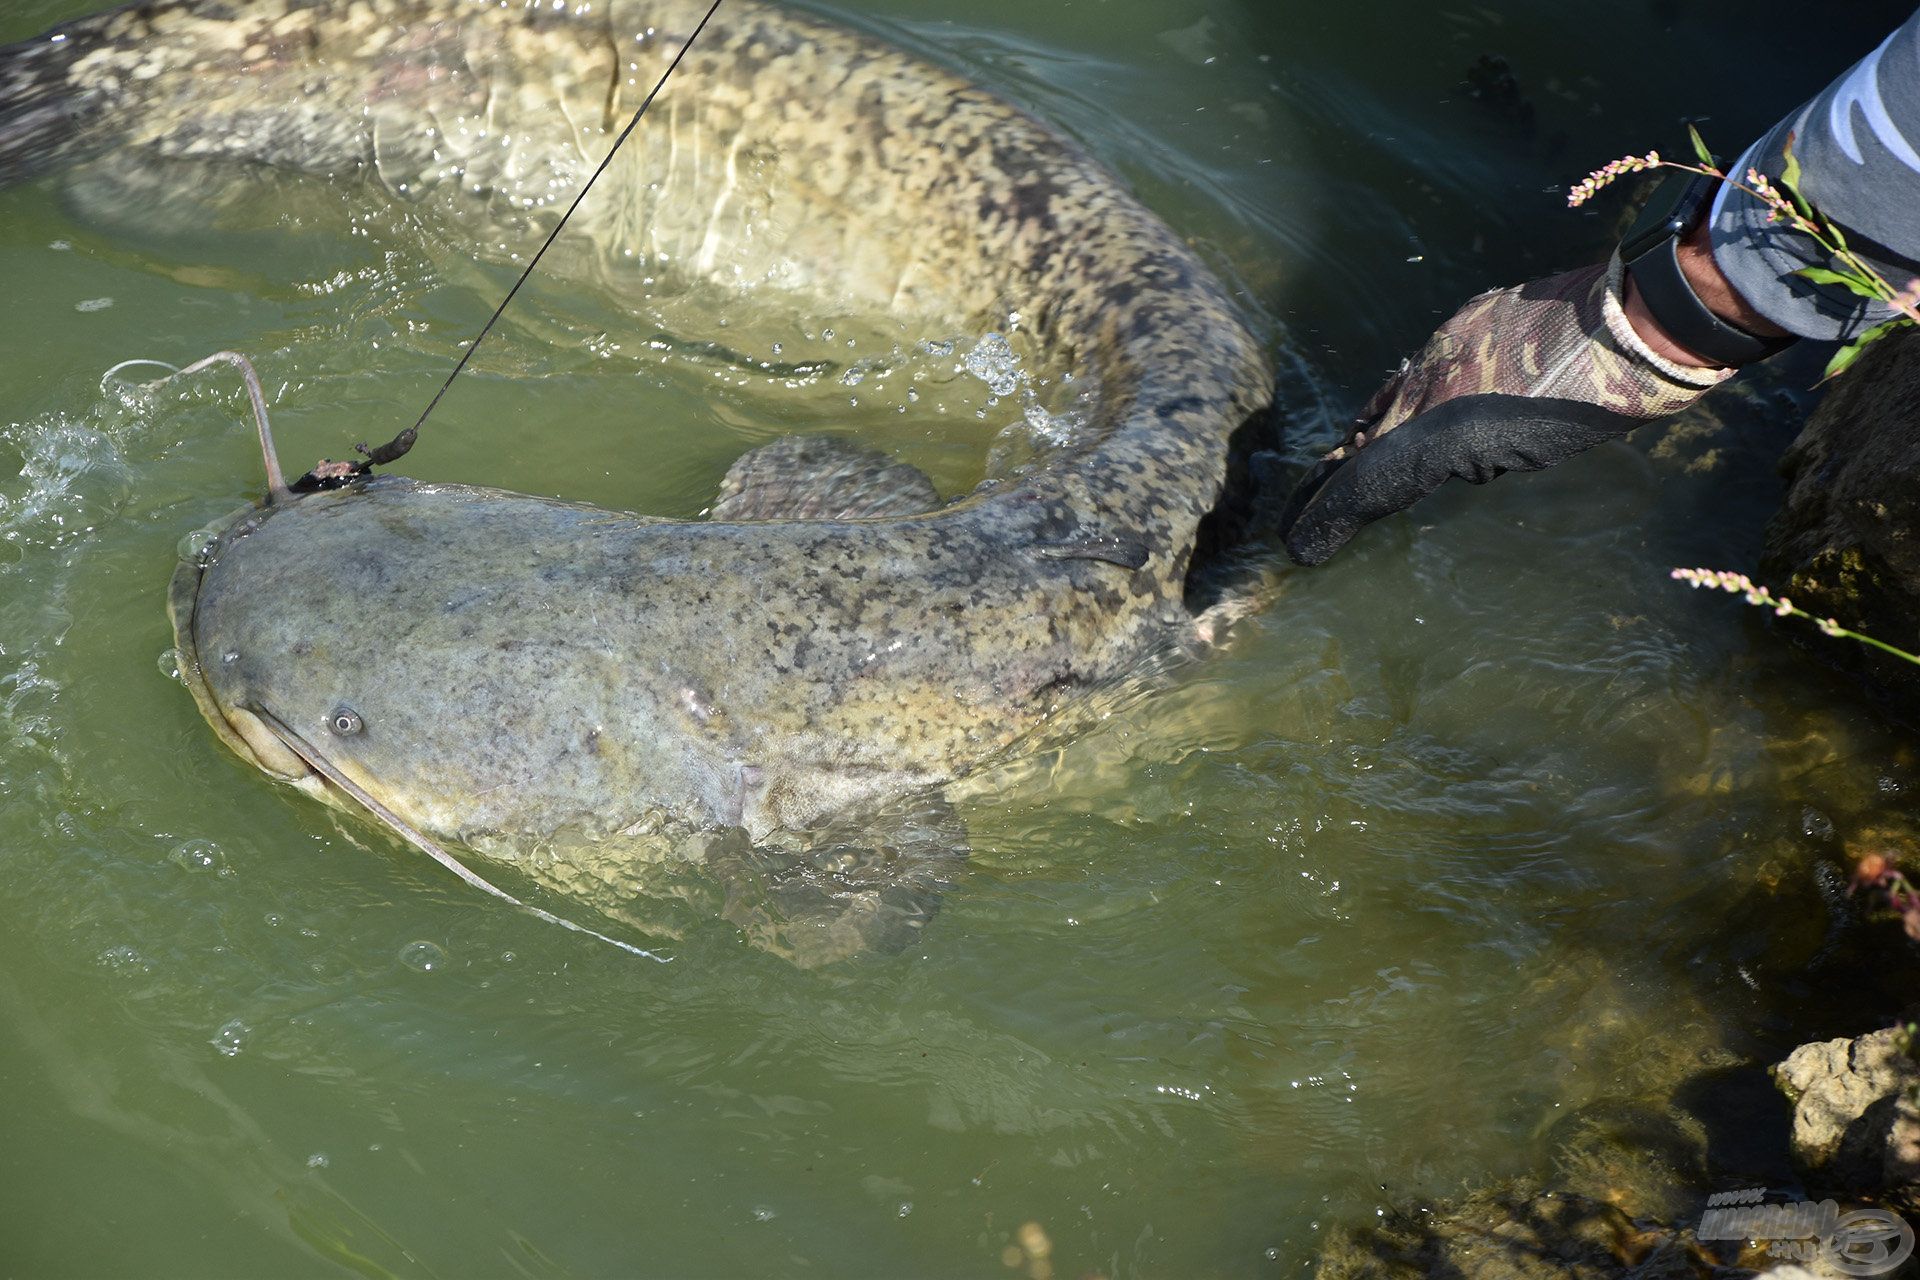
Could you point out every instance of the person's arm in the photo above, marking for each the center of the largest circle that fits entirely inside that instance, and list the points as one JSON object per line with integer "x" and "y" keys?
{"x": 1522, "y": 378}
{"x": 1858, "y": 144}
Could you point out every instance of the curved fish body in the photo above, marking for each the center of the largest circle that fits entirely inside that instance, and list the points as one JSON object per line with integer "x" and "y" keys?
{"x": 493, "y": 667}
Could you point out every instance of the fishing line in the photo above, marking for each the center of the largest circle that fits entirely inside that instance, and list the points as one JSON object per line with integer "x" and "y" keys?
{"x": 128, "y": 364}
{"x": 398, "y": 446}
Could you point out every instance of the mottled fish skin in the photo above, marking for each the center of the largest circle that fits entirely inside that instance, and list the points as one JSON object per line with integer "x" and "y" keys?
{"x": 516, "y": 667}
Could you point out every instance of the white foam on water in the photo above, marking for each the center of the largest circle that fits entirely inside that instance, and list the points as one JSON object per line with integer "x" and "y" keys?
{"x": 64, "y": 477}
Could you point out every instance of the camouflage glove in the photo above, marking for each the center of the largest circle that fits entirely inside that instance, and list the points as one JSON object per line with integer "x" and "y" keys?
{"x": 1518, "y": 380}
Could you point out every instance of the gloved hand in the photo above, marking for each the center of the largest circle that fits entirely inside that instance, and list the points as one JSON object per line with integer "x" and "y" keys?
{"x": 1518, "y": 380}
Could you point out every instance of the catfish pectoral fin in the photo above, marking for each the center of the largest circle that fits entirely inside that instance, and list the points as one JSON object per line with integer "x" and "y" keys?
{"x": 871, "y": 886}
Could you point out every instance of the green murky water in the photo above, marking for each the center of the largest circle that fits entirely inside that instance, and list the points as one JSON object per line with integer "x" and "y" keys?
{"x": 1483, "y": 824}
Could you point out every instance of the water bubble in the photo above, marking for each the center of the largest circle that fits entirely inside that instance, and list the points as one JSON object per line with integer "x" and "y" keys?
{"x": 1273, "y": 1254}
{"x": 230, "y": 1037}
{"x": 423, "y": 956}
{"x": 1815, "y": 824}
{"x": 93, "y": 304}
{"x": 993, "y": 361}
{"x": 318, "y": 1160}
{"x": 196, "y": 548}
{"x": 906, "y": 1208}
{"x": 764, "y": 1213}
{"x": 198, "y": 855}
{"x": 172, "y": 666}
{"x": 123, "y": 958}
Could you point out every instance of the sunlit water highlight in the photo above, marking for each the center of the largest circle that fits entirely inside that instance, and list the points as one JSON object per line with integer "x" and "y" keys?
{"x": 1483, "y": 824}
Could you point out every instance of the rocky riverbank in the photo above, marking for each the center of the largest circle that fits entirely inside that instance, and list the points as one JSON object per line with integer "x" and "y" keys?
{"x": 1627, "y": 1197}
{"x": 1628, "y": 1186}
{"x": 1846, "y": 542}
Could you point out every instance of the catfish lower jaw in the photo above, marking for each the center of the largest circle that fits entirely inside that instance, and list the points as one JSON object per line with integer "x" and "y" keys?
{"x": 266, "y": 750}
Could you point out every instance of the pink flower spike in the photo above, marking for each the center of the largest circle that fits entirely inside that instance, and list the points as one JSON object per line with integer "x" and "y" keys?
{"x": 1584, "y": 190}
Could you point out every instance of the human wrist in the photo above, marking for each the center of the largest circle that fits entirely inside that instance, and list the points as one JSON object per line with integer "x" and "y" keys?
{"x": 1716, "y": 293}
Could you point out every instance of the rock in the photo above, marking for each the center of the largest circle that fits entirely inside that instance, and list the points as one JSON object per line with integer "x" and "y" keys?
{"x": 1856, "y": 1120}
{"x": 1846, "y": 542}
{"x": 1513, "y": 1233}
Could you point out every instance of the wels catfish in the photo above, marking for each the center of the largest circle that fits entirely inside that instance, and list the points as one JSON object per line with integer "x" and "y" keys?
{"x": 503, "y": 672}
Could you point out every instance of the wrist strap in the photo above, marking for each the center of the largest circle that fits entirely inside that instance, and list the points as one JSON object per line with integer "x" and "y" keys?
{"x": 1654, "y": 262}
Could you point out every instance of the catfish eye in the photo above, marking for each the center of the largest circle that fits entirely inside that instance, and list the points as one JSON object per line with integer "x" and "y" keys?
{"x": 345, "y": 721}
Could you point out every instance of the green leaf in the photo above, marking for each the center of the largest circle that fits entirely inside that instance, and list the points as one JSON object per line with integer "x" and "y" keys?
{"x": 1851, "y": 352}
{"x": 1700, "y": 146}
{"x": 1880, "y": 330}
{"x": 1841, "y": 359}
{"x": 1856, "y": 284}
{"x": 1790, "y": 182}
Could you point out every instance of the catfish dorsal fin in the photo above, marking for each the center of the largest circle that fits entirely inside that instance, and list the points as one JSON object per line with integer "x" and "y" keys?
{"x": 820, "y": 478}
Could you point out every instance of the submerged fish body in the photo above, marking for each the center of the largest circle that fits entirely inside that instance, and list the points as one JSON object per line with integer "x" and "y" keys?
{"x": 492, "y": 664}
{"x": 491, "y": 667}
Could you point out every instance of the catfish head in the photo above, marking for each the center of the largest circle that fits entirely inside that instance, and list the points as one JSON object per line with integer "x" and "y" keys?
{"x": 470, "y": 663}
{"x": 507, "y": 672}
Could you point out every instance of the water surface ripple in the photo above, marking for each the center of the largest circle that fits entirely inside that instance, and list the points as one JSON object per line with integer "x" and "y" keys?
{"x": 1480, "y": 825}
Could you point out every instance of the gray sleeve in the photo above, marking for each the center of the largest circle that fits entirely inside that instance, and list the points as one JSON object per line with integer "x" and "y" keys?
{"x": 1858, "y": 144}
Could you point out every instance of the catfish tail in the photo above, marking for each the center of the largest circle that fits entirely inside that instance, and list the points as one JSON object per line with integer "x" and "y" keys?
{"x": 314, "y": 87}
{"x": 42, "y": 117}
{"x": 283, "y": 83}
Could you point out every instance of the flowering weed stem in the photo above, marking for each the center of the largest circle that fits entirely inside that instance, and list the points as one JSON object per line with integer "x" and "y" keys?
{"x": 1740, "y": 584}
{"x": 1785, "y": 204}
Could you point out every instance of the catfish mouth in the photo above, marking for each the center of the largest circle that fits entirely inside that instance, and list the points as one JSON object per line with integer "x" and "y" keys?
{"x": 262, "y": 738}
{"x": 251, "y": 729}
{"x": 242, "y": 729}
